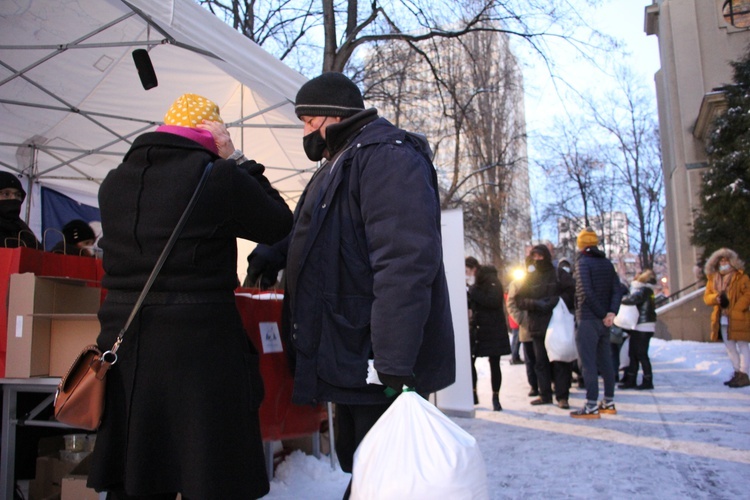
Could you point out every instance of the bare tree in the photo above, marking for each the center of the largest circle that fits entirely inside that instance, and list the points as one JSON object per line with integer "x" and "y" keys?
{"x": 608, "y": 163}
{"x": 628, "y": 115}
{"x": 580, "y": 188}
{"x": 336, "y": 29}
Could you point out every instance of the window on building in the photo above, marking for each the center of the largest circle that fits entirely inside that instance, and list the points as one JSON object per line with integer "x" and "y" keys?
{"x": 737, "y": 13}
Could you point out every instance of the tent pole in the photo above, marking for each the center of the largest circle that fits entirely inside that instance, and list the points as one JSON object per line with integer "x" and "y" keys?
{"x": 30, "y": 181}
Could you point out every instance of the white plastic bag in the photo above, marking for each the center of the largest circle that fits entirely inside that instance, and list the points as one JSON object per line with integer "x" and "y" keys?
{"x": 560, "y": 340}
{"x": 414, "y": 451}
{"x": 624, "y": 353}
{"x": 627, "y": 317}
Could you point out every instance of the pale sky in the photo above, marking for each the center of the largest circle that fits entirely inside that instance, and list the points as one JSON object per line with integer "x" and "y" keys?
{"x": 622, "y": 19}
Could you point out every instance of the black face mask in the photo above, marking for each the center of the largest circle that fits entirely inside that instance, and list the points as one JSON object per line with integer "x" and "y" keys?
{"x": 10, "y": 209}
{"x": 314, "y": 145}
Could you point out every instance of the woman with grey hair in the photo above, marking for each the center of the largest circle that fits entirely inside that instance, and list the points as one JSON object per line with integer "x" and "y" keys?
{"x": 728, "y": 291}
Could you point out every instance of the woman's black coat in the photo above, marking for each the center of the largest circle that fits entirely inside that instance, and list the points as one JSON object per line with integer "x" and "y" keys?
{"x": 489, "y": 329}
{"x": 182, "y": 401}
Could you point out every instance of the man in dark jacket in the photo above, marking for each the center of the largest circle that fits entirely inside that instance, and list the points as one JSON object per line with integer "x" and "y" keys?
{"x": 365, "y": 283}
{"x": 538, "y": 296}
{"x": 598, "y": 295}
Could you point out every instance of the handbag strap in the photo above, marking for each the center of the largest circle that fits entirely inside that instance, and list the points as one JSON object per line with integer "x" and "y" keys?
{"x": 111, "y": 355}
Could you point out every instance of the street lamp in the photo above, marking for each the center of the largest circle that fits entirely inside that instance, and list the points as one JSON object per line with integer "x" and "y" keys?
{"x": 737, "y": 13}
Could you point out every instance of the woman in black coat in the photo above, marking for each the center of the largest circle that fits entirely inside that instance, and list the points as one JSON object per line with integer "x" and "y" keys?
{"x": 489, "y": 330}
{"x": 181, "y": 411}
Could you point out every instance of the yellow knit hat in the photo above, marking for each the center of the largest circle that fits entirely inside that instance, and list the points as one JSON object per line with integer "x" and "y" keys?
{"x": 190, "y": 109}
{"x": 587, "y": 238}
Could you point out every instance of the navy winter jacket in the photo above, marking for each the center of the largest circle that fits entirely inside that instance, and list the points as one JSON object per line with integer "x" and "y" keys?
{"x": 598, "y": 290}
{"x": 370, "y": 282}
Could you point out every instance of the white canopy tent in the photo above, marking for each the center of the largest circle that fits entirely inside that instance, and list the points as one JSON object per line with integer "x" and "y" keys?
{"x": 71, "y": 101}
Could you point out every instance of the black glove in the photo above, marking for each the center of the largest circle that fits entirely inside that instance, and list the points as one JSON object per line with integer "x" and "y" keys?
{"x": 546, "y": 305}
{"x": 263, "y": 266}
{"x": 723, "y": 300}
{"x": 396, "y": 383}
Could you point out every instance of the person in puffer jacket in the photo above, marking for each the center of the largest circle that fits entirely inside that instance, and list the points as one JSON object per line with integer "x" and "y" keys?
{"x": 598, "y": 295}
{"x": 641, "y": 294}
{"x": 728, "y": 291}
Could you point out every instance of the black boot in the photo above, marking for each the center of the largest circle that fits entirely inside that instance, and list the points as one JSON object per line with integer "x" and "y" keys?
{"x": 646, "y": 383}
{"x": 496, "y": 402}
{"x": 731, "y": 380}
{"x": 742, "y": 380}
{"x": 476, "y": 398}
{"x": 628, "y": 381}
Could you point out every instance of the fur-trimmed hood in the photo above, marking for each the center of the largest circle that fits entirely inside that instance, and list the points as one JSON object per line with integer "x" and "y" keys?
{"x": 712, "y": 265}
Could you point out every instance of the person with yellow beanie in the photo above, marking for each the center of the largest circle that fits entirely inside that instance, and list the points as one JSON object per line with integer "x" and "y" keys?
{"x": 182, "y": 401}
{"x": 598, "y": 295}
{"x": 587, "y": 238}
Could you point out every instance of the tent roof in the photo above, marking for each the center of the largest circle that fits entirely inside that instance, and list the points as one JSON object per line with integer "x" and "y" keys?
{"x": 71, "y": 101}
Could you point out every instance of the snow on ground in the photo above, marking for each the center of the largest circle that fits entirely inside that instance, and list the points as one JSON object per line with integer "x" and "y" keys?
{"x": 688, "y": 438}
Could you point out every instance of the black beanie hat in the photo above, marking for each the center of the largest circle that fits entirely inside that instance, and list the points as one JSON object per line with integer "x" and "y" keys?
{"x": 76, "y": 231}
{"x": 8, "y": 180}
{"x": 330, "y": 94}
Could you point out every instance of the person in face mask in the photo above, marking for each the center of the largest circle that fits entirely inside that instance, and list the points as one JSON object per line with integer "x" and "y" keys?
{"x": 728, "y": 292}
{"x": 364, "y": 274}
{"x": 538, "y": 296}
{"x": 78, "y": 239}
{"x": 13, "y": 231}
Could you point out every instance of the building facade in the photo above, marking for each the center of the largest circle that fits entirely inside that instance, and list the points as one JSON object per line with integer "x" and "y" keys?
{"x": 696, "y": 45}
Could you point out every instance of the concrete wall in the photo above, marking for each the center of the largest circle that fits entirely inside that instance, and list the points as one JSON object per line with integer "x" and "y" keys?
{"x": 686, "y": 319}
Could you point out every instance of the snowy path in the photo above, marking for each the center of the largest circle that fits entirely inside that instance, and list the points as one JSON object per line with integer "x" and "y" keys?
{"x": 688, "y": 438}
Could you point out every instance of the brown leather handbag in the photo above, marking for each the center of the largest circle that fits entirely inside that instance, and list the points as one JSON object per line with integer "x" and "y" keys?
{"x": 79, "y": 401}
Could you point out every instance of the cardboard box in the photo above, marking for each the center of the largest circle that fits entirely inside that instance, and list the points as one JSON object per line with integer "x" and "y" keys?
{"x": 74, "y": 483}
{"x": 49, "y": 321}
{"x": 50, "y": 471}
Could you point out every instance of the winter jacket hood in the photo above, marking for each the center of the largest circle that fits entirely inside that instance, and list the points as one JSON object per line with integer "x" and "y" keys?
{"x": 712, "y": 265}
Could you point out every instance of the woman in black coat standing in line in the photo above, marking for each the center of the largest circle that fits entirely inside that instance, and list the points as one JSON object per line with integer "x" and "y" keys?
{"x": 489, "y": 329}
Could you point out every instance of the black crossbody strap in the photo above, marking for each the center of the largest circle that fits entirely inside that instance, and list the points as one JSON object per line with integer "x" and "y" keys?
{"x": 160, "y": 262}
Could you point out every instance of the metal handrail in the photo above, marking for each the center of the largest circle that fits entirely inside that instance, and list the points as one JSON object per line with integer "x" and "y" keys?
{"x": 674, "y": 296}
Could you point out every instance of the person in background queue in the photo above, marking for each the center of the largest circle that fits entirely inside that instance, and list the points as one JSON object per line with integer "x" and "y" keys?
{"x": 524, "y": 337}
{"x": 598, "y": 295}
{"x": 488, "y": 328}
{"x": 538, "y": 296}
{"x": 641, "y": 295}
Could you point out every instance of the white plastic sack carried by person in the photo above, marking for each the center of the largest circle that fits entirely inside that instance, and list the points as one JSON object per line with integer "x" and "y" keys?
{"x": 624, "y": 354}
{"x": 414, "y": 451}
{"x": 627, "y": 317}
{"x": 560, "y": 339}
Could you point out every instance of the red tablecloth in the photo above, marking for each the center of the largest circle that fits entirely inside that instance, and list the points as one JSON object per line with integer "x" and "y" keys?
{"x": 279, "y": 417}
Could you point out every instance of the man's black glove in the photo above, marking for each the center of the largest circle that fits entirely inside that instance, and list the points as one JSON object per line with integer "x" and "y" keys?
{"x": 395, "y": 383}
{"x": 546, "y": 305}
{"x": 263, "y": 266}
{"x": 723, "y": 300}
